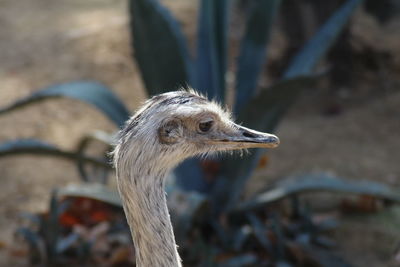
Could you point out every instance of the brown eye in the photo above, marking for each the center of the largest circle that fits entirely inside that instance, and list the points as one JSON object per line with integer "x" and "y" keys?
{"x": 205, "y": 126}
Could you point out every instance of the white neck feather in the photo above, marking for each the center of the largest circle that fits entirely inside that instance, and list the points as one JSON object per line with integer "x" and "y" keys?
{"x": 142, "y": 192}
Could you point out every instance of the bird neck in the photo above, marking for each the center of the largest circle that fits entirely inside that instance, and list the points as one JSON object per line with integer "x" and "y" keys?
{"x": 147, "y": 214}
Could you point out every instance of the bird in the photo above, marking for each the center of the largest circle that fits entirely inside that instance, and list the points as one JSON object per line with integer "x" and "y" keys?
{"x": 166, "y": 130}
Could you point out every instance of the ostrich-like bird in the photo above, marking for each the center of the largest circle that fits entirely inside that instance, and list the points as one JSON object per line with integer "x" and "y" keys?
{"x": 168, "y": 129}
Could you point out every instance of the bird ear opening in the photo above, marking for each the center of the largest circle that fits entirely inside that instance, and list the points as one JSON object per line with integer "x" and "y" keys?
{"x": 170, "y": 132}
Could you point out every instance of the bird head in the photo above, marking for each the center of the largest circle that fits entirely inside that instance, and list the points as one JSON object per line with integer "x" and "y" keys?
{"x": 183, "y": 124}
{"x": 206, "y": 127}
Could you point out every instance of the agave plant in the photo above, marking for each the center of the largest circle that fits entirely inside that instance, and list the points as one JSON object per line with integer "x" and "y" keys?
{"x": 163, "y": 57}
{"x": 167, "y": 65}
{"x": 258, "y": 108}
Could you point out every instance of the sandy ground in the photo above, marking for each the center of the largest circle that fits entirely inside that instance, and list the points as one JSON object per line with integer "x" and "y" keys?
{"x": 45, "y": 42}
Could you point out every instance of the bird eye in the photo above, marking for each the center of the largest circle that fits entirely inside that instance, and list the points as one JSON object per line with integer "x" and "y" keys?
{"x": 205, "y": 126}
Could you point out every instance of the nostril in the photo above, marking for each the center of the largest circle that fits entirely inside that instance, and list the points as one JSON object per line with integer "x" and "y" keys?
{"x": 246, "y": 134}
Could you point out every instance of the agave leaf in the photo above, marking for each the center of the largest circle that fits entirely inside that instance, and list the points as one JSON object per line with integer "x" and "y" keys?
{"x": 319, "y": 182}
{"x": 185, "y": 207}
{"x": 98, "y": 174}
{"x": 271, "y": 112}
{"x": 211, "y": 48}
{"x": 264, "y": 111}
{"x": 261, "y": 113}
{"x": 36, "y": 245}
{"x": 66, "y": 242}
{"x": 189, "y": 176}
{"x": 33, "y": 219}
{"x": 304, "y": 62}
{"x": 94, "y": 191}
{"x": 279, "y": 245}
{"x": 240, "y": 237}
{"x": 253, "y": 50}
{"x": 220, "y": 232}
{"x": 221, "y": 15}
{"x": 159, "y": 47}
{"x": 51, "y": 229}
{"x": 88, "y": 91}
{"x": 260, "y": 232}
{"x": 36, "y": 147}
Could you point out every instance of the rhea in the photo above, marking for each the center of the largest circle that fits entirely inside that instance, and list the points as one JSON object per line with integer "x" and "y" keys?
{"x": 167, "y": 129}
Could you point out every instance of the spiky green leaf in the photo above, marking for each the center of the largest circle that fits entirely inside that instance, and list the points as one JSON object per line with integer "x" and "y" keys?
{"x": 261, "y": 113}
{"x": 159, "y": 47}
{"x": 211, "y": 48}
{"x": 185, "y": 208}
{"x": 97, "y": 174}
{"x": 36, "y": 244}
{"x": 190, "y": 176}
{"x": 320, "y": 182}
{"x": 305, "y": 61}
{"x": 93, "y": 191}
{"x": 253, "y": 50}
{"x": 37, "y": 147}
{"x": 90, "y": 92}
{"x": 260, "y": 232}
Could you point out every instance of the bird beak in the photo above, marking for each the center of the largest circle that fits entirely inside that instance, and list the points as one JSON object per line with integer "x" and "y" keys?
{"x": 242, "y": 137}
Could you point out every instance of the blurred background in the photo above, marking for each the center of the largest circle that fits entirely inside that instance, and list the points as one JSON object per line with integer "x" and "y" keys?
{"x": 340, "y": 134}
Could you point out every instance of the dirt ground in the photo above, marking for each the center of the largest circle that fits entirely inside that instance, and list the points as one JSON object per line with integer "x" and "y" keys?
{"x": 44, "y": 42}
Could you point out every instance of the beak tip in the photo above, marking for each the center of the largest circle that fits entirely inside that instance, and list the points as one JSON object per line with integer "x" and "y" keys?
{"x": 275, "y": 141}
